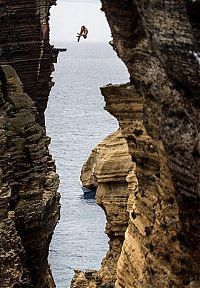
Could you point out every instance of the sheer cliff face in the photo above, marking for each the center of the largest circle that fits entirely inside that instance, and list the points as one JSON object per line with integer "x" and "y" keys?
{"x": 29, "y": 201}
{"x": 24, "y": 38}
{"x": 153, "y": 220}
{"x": 106, "y": 169}
{"x": 159, "y": 115}
{"x": 155, "y": 243}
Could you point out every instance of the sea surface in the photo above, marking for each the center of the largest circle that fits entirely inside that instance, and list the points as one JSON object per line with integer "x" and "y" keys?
{"x": 76, "y": 121}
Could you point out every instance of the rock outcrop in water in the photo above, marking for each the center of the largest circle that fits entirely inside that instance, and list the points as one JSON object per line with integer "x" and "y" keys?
{"x": 158, "y": 114}
{"x": 29, "y": 201}
{"x": 106, "y": 169}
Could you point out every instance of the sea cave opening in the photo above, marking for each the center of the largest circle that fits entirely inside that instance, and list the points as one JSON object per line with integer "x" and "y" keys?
{"x": 76, "y": 123}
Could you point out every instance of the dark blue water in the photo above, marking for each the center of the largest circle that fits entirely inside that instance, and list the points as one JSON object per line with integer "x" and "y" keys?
{"x": 76, "y": 122}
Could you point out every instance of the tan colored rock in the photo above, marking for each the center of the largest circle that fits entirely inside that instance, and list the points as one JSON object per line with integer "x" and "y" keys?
{"x": 106, "y": 169}
{"x": 153, "y": 251}
{"x": 148, "y": 205}
{"x": 108, "y": 162}
{"x": 87, "y": 279}
{"x": 159, "y": 43}
{"x": 12, "y": 252}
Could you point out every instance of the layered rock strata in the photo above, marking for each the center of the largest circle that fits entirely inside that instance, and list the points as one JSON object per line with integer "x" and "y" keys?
{"x": 24, "y": 38}
{"x": 159, "y": 45}
{"x": 153, "y": 221}
{"x": 29, "y": 201}
{"x": 106, "y": 170}
{"x": 158, "y": 113}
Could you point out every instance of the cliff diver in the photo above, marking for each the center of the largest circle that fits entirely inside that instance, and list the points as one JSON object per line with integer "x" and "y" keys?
{"x": 83, "y": 32}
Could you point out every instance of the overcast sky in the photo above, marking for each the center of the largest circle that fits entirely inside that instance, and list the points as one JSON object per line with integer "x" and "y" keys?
{"x": 68, "y": 16}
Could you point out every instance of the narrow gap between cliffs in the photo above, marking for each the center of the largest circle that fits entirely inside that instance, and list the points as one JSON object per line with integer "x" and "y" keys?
{"x": 76, "y": 123}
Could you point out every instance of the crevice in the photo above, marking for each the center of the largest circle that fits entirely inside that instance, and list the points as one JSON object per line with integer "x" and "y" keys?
{"x": 4, "y": 86}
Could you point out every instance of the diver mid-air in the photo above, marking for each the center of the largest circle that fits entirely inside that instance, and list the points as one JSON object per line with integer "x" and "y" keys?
{"x": 83, "y": 32}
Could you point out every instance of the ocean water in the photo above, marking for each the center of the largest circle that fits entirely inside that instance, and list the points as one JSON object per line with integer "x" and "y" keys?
{"x": 76, "y": 122}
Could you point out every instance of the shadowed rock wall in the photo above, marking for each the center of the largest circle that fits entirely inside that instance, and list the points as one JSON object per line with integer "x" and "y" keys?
{"x": 24, "y": 38}
{"x": 29, "y": 201}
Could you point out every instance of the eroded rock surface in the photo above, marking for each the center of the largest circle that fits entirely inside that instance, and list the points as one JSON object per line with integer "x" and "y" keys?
{"x": 153, "y": 210}
{"x": 29, "y": 201}
{"x": 106, "y": 170}
{"x": 157, "y": 41}
{"x": 24, "y": 39}
{"x": 158, "y": 114}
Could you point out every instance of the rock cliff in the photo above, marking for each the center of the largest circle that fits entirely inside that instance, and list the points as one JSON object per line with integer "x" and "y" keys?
{"x": 107, "y": 168}
{"x": 152, "y": 209}
{"x": 29, "y": 201}
{"x": 158, "y": 114}
{"x": 25, "y": 46}
{"x": 105, "y": 171}
{"x": 159, "y": 44}
{"x": 149, "y": 189}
